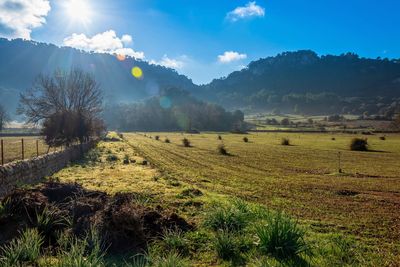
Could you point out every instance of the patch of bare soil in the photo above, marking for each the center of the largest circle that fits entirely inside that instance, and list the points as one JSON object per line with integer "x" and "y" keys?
{"x": 122, "y": 222}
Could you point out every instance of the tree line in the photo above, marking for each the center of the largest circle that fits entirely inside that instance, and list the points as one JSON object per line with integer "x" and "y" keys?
{"x": 173, "y": 110}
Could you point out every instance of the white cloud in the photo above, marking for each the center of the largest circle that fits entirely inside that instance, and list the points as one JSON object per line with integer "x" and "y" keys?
{"x": 230, "y": 56}
{"x": 106, "y": 42}
{"x": 248, "y": 11}
{"x": 19, "y": 17}
{"x": 170, "y": 62}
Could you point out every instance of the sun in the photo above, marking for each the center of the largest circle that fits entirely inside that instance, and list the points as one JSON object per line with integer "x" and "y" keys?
{"x": 79, "y": 11}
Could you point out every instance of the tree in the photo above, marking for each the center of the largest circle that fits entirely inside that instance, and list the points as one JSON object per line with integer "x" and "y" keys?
{"x": 67, "y": 105}
{"x": 3, "y": 117}
{"x": 396, "y": 122}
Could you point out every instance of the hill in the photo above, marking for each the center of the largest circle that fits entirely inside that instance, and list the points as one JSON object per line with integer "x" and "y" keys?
{"x": 304, "y": 78}
{"x": 21, "y": 61}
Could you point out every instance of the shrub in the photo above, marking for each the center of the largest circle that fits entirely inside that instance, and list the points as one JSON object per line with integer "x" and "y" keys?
{"x": 281, "y": 237}
{"x": 245, "y": 139}
{"x": 359, "y": 144}
{"x": 222, "y": 150}
{"x": 126, "y": 160}
{"x": 285, "y": 142}
{"x": 167, "y": 140}
{"x": 25, "y": 249}
{"x": 112, "y": 157}
{"x": 157, "y": 137}
{"x": 186, "y": 142}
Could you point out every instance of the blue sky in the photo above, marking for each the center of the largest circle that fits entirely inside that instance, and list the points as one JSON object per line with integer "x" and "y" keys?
{"x": 208, "y": 39}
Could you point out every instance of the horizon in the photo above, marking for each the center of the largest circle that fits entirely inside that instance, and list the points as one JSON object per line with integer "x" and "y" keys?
{"x": 206, "y": 41}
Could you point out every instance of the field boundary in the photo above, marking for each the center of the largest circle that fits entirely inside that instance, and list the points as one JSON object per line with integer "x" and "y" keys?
{"x": 33, "y": 170}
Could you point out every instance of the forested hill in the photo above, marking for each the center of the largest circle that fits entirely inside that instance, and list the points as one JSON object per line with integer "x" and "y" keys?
{"x": 302, "y": 72}
{"x": 21, "y": 61}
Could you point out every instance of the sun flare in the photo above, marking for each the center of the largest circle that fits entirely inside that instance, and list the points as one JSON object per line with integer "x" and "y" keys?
{"x": 79, "y": 11}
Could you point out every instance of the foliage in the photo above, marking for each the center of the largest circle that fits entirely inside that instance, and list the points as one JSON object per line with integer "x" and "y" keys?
{"x": 226, "y": 218}
{"x": 174, "y": 240}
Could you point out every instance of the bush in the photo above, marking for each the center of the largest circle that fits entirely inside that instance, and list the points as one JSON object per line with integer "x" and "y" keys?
{"x": 359, "y": 144}
{"x": 112, "y": 157}
{"x": 285, "y": 142}
{"x": 281, "y": 237}
{"x": 186, "y": 142}
{"x": 25, "y": 249}
{"x": 157, "y": 137}
{"x": 245, "y": 139}
{"x": 126, "y": 160}
{"x": 167, "y": 141}
{"x": 222, "y": 150}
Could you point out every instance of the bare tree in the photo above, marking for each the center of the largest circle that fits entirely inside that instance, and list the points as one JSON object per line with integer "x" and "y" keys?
{"x": 67, "y": 105}
{"x": 3, "y": 117}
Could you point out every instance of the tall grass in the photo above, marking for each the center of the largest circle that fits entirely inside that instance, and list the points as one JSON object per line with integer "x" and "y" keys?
{"x": 281, "y": 237}
{"x": 24, "y": 250}
{"x": 174, "y": 240}
{"x": 75, "y": 252}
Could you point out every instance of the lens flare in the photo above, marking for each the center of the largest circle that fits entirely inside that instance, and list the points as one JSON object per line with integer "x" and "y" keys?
{"x": 121, "y": 57}
{"x": 137, "y": 72}
{"x": 165, "y": 102}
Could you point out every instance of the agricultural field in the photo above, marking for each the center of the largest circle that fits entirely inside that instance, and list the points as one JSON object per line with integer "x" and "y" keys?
{"x": 348, "y": 218}
{"x": 12, "y": 147}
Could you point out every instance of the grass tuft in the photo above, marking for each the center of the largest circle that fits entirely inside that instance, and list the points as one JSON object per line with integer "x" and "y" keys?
{"x": 186, "y": 142}
{"x": 281, "y": 237}
{"x": 222, "y": 150}
{"x": 285, "y": 141}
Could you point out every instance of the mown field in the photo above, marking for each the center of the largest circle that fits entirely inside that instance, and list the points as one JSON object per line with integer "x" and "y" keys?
{"x": 349, "y": 218}
{"x": 13, "y": 147}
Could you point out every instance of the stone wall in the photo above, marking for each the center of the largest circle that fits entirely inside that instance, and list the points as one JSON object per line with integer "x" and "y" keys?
{"x": 33, "y": 170}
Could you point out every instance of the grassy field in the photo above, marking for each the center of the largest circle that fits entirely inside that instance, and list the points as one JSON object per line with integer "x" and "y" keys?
{"x": 360, "y": 204}
{"x": 13, "y": 147}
